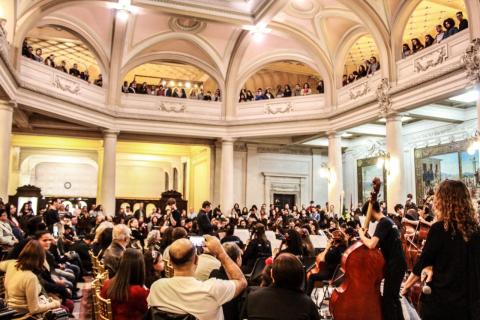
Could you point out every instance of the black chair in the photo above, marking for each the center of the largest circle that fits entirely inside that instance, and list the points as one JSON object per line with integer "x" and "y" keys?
{"x": 157, "y": 314}
{"x": 254, "y": 276}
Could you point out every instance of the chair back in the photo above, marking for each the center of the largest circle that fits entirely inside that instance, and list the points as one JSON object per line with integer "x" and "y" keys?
{"x": 95, "y": 287}
{"x": 2, "y": 286}
{"x": 168, "y": 269}
{"x": 256, "y": 271}
{"x": 104, "y": 308}
{"x": 157, "y": 314}
{"x": 102, "y": 277}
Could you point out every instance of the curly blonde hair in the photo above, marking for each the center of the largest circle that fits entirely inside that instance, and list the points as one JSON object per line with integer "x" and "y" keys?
{"x": 453, "y": 205}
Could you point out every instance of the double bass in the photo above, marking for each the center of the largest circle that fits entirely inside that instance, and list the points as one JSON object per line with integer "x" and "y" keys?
{"x": 358, "y": 296}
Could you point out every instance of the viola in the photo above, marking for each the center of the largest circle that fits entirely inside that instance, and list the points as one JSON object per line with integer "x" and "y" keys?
{"x": 358, "y": 296}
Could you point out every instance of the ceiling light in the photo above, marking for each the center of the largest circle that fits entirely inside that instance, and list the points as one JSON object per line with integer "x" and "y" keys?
{"x": 172, "y": 83}
{"x": 347, "y": 135}
{"x": 188, "y": 85}
{"x": 467, "y": 97}
{"x": 180, "y": 84}
{"x": 164, "y": 82}
{"x": 122, "y": 15}
{"x": 258, "y": 32}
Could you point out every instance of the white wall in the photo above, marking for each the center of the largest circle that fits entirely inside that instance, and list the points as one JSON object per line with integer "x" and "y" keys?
{"x": 253, "y": 162}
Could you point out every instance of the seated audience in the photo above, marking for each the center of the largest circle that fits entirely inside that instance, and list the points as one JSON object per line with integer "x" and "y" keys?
{"x": 258, "y": 247}
{"x": 183, "y": 294}
{"x": 120, "y": 239}
{"x": 416, "y": 45}
{"x": 205, "y": 265}
{"x": 23, "y": 291}
{"x": 7, "y": 237}
{"x": 287, "y": 92}
{"x": 297, "y": 91}
{"x": 127, "y": 289}
{"x": 306, "y": 89}
{"x": 293, "y": 243}
{"x": 231, "y": 309}
{"x": 429, "y": 40}
{"x": 74, "y": 70}
{"x": 284, "y": 300}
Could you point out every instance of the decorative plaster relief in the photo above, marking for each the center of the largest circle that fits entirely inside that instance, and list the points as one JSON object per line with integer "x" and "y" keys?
{"x": 471, "y": 59}
{"x": 431, "y": 59}
{"x": 4, "y": 45}
{"x": 172, "y": 107}
{"x": 383, "y": 97}
{"x": 186, "y": 24}
{"x": 65, "y": 84}
{"x": 359, "y": 90}
{"x": 278, "y": 107}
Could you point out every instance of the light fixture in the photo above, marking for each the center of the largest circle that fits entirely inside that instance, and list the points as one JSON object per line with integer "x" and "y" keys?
{"x": 123, "y": 15}
{"x": 124, "y": 8}
{"x": 347, "y": 135}
{"x": 164, "y": 82}
{"x": 188, "y": 85}
{"x": 467, "y": 97}
{"x": 474, "y": 145}
{"x": 383, "y": 161}
{"x": 325, "y": 172}
{"x": 258, "y": 32}
{"x": 171, "y": 83}
{"x": 180, "y": 84}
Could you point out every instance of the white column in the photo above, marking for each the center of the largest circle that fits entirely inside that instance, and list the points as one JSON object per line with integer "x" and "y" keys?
{"x": 226, "y": 191}
{"x": 6, "y": 116}
{"x": 335, "y": 184}
{"x": 253, "y": 192}
{"x": 108, "y": 173}
{"x": 395, "y": 167}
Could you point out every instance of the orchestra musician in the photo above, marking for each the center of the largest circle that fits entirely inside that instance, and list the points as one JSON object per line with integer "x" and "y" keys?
{"x": 450, "y": 260}
{"x": 328, "y": 260}
{"x": 387, "y": 238}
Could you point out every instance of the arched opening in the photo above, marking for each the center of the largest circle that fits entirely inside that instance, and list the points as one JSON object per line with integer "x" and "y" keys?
{"x": 60, "y": 48}
{"x": 362, "y": 60}
{"x": 175, "y": 179}
{"x": 281, "y": 79}
{"x": 172, "y": 79}
{"x": 426, "y": 25}
{"x": 167, "y": 181}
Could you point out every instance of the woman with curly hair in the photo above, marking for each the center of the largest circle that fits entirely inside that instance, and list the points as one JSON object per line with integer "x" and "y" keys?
{"x": 450, "y": 260}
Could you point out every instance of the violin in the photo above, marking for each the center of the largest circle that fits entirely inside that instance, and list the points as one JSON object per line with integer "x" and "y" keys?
{"x": 358, "y": 296}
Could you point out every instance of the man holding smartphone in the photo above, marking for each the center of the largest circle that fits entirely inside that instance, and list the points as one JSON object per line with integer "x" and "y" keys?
{"x": 183, "y": 294}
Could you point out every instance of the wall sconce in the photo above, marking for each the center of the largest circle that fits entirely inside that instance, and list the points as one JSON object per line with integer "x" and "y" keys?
{"x": 384, "y": 161}
{"x": 474, "y": 145}
{"x": 325, "y": 171}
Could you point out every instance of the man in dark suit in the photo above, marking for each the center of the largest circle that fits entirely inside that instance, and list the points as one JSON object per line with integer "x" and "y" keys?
{"x": 140, "y": 212}
{"x": 203, "y": 221}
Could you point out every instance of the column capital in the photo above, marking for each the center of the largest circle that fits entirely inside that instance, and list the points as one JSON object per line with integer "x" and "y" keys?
{"x": 252, "y": 147}
{"x": 110, "y": 133}
{"x": 227, "y": 140}
{"x": 8, "y": 105}
{"x": 333, "y": 134}
{"x": 393, "y": 116}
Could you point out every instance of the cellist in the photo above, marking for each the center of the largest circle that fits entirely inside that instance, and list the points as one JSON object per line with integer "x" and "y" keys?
{"x": 387, "y": 238}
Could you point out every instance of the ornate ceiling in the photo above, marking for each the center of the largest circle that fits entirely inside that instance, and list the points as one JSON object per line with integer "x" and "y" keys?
{"x": 331, "y": 37}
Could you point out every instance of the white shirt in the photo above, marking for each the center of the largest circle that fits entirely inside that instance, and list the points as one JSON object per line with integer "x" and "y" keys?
{"x": 182, "y": 295}
{"x": 206, "y": 264}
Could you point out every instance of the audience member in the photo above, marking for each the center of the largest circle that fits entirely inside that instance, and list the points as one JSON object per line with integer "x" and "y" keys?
{"x": 462, "y": 22}
{"x": 127, "y": 289}
{"x": 120, "y": 239}
{"x": 258, "y": 247}
{"x": 183, "y": 294}
{"x": 284, "y": 300}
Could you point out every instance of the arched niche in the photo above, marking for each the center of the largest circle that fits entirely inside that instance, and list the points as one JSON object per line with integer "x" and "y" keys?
{"x": 66, "y": 45}
{"x": 167, "y": 181}
{"x": 281, "y": 73}
{"x": 174, "y": 75}
{"x": 362, "y": 49}
{"x": 175, "y": 179}
{"x": 427, "y": 15}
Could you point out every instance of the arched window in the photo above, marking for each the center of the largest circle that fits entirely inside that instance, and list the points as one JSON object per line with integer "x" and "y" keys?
{"x": 273, "y": 78}
{"x": 175, "y": 179}
{"x": 359, "y": 59}
{"x": 167, "y": 178}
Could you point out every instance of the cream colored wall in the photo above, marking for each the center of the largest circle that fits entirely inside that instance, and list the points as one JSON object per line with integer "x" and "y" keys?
{"x": 140, "y": 179}
{"x": 199, "y": 178}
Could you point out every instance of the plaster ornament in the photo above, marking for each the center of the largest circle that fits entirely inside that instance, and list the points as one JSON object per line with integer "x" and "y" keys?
{"x": 4, "y": 45}
{"x": 431, "y": 59}
{"x": 471, "y": 60}
{"x": 275, "y": 108}
{"x": 66, "y": 85}
{"x": 364, "y": 89}
{"x": 172, "y": 107}
{"x": 383, "y": 97}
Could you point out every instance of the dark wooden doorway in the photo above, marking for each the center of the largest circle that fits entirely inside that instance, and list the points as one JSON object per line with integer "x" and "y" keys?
{"x": 281, "y": 200}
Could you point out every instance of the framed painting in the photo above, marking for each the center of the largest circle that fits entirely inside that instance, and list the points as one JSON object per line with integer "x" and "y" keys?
{"x": 367, "y": 169}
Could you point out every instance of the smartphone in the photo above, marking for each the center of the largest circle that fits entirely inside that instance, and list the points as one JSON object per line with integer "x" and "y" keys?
{"x": 198, "y": 241}
{"x": 55, "y": 231}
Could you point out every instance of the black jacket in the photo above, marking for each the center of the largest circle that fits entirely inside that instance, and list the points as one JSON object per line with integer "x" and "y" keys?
{"x": 203, "y": 222}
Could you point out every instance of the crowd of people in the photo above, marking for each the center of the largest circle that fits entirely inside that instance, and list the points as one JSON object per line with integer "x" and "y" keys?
{"x": 443, "y": 32}
{"x": 37, "y": 55}
{"x": 195, "y": 93}
{"x": 365, "y": 70}
{"x": 280, "y": 92}
{"x": 217, "y": 275}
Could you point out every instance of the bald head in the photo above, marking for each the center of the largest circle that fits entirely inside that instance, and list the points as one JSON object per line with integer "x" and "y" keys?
{"x": 182, "y": 253}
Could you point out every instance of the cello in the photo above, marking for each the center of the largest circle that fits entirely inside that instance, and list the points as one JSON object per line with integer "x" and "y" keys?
{"x": 358, "y": 296}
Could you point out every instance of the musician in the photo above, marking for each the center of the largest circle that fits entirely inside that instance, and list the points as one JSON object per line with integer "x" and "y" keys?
{"x": 258, "y": 247}
{"x": 387, "y": 238}
{"x": 451, "y": 257}
{"x": 328, "y": 260}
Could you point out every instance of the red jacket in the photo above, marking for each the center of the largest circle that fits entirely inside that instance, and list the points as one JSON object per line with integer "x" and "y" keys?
{"x": 134, "y": 309}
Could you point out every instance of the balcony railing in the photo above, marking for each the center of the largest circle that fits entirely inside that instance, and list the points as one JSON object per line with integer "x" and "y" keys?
{"x": 49, "y": 81}
{"x": 359, "y": 91}
{"x": 433, "y": 61}
{"x": 282, "y": 107}
{"x": 150, "y": 105}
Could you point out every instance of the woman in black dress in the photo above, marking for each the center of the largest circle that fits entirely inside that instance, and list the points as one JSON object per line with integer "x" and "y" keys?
{"x": 450, "y": 259}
